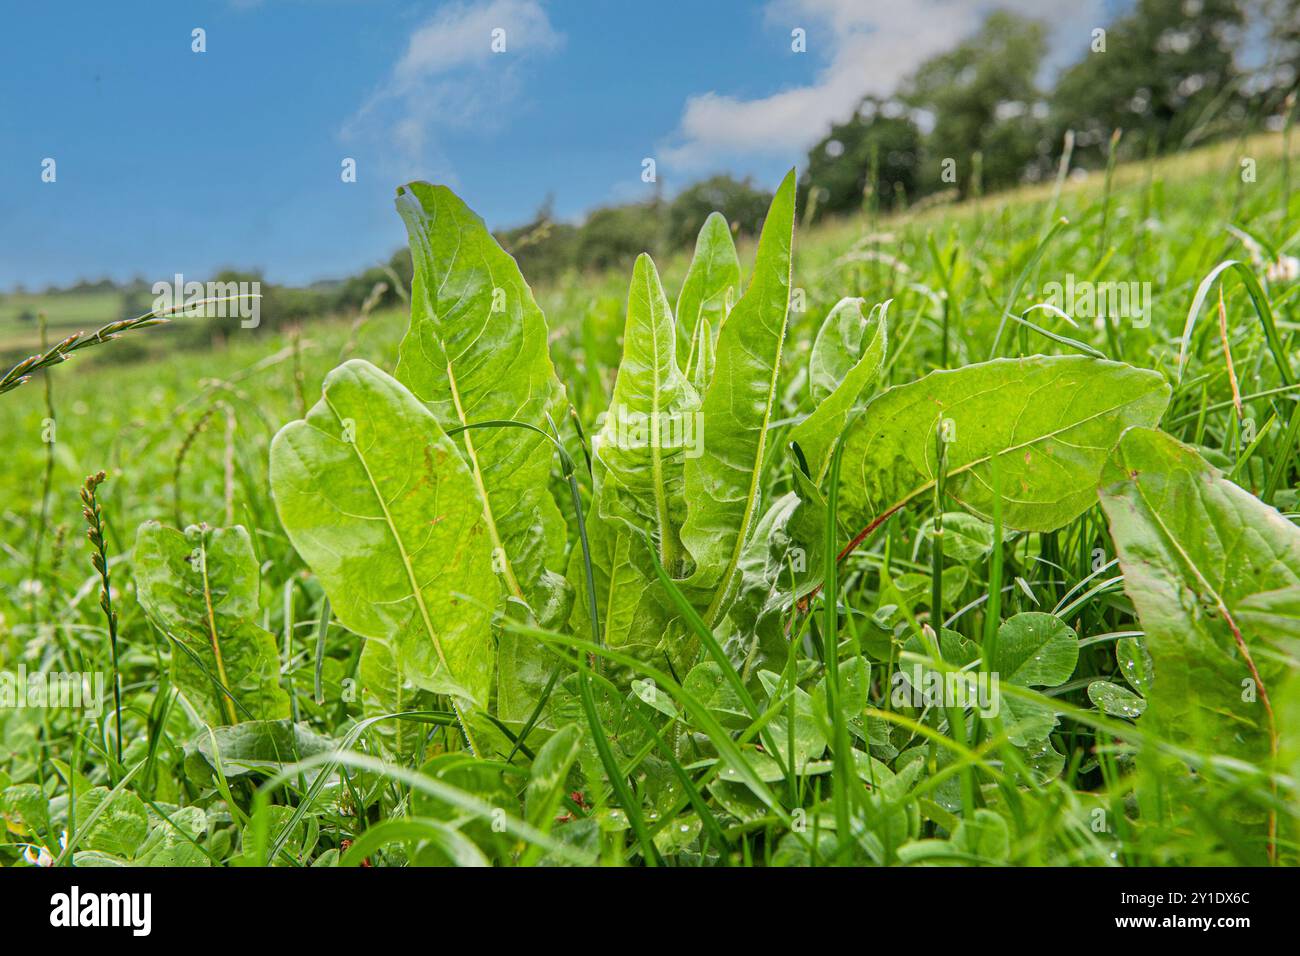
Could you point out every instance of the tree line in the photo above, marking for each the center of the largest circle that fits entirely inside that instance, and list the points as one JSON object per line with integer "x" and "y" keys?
{"x": 1171, "y": 74}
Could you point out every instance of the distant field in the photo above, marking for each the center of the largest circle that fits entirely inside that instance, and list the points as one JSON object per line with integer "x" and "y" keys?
{"x": 65, "y": 313}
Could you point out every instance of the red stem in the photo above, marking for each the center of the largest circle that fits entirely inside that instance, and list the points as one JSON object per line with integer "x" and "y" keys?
{"x": 850, "y": 547}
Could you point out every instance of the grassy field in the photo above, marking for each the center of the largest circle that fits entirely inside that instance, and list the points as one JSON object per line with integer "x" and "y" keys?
{"x": 64, "y": 314}
{"x": 748, "y": 743}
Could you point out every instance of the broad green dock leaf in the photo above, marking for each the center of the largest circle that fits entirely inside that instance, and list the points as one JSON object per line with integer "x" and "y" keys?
{"x": 651, "y": 426}
{"x": 1288, "y": 723}
{"x": 781, "y": 562}
{"x": 711, "y": 285}
{"x": 119, "y": 828}
{"x": 1049, "y": 420}
{"x": 200, "y": 587}
{"x": 847, "y": 357}
{"x": 25, "y": 810}
{"x": 1200, "y": 556}
{"x": 378, "y": 502}
{"x": 635, "y": 614}
{"x": 966, "y": 538}
{"x": 722, "y": 484}
{"x": 1274, "y": 612}
{"x": 476, "y": 351}
{"x": 167, "y": 846}
{"x": 259, "y": 746}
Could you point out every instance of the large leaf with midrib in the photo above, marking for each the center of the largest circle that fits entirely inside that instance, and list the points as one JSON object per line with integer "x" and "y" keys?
{"x": 378, "y": 502}
{"x": 1209, "y": 568}
{"x": 1049, "y": 421}
{"x": 639, "y": 501}
{"x": 200, "y": 587}
{"x": 848, "y": 356}
{"x": 722, "y": 484}
{"x": 706, "y": 296}
{"x": 476, "y": 351}
{"x": 652, "y": 419}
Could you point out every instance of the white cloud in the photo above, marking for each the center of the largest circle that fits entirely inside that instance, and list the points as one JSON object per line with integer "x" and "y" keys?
{"x": 451, "y": 76}
{"x": 874, "y": 45}
{"x": 461, "y": 35}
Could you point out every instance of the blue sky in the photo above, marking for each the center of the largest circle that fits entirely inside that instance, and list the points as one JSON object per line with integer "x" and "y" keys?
{"x": 174, "y": 161}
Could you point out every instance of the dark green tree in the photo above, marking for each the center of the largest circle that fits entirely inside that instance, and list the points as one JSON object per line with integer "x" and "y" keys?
{"x": 982, "y": 96}
{"x": 543, "y": 247}
{"x": 1278, "y": 76}
{"x": 613, "y": 236}
{"x": 1163, "y": 73}
{"x": 880, "y": 137}
{"x": 740, "y": 201}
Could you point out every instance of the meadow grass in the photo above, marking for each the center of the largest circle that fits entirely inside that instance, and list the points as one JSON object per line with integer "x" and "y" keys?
{"x": 185, "y": 438}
